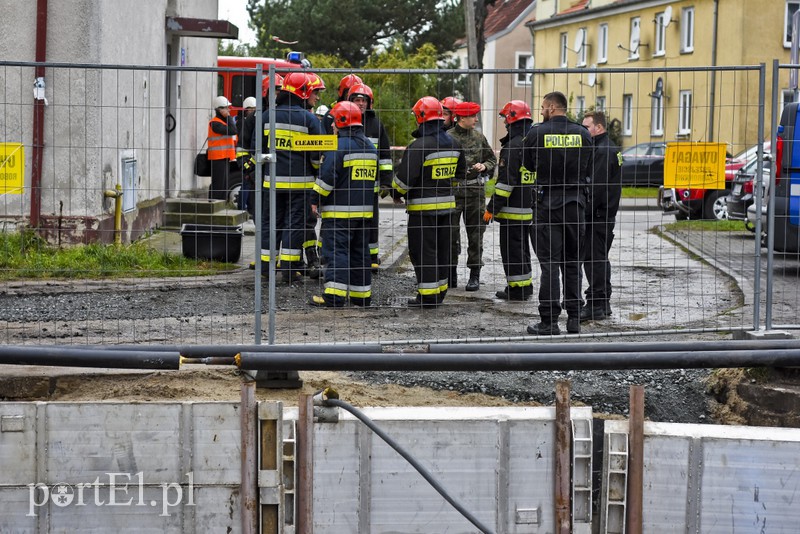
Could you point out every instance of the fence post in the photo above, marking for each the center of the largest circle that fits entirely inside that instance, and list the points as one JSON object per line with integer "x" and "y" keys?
{"x": 563, "y": 457}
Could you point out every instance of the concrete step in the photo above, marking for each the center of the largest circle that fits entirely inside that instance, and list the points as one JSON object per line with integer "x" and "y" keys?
{"x": 225, "y": 217}
{"x": 194, "y": 206}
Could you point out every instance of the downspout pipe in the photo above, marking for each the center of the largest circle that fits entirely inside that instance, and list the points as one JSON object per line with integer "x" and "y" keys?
{"x": 38, "y": 113}
{"x": 713, "y": 84}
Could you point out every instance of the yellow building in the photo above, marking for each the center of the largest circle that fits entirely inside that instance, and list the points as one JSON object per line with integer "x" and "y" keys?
{"x": 695, "y": 104}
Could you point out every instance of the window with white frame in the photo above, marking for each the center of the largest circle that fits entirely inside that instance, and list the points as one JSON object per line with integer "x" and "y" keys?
{"x": 600, "y": 103}
{"x": 580, "y": 105}
{"x": 791, "y": 7}
{"x": 685, "y": 113}
{"x": 563, "y": 50}
{"x": 602, "y": 43}
{"x": 524, "y": 62}
{"x": 687, "y": 30}
{"x": 635, "y": 30}
{"x": 627, "y": 114}
{"x": 582, "y": 50}
{"x": 660, "y": 47}
{"x": 657, "y": 111}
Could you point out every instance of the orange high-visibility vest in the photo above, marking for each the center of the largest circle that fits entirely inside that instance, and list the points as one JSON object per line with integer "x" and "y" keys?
{"x": 220, "y": 146}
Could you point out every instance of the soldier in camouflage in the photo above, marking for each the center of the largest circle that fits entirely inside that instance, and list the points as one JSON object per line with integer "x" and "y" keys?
{"x": 470, "y": 195}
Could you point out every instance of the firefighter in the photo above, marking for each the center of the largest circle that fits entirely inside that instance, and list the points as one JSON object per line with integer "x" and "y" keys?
{"x": 449, "y": 104}
{"x": 221, "y": 147}
{"x": 244, "y": 154}
{"x": 511, "y": 203}
{"x": 295, "y": 173}
{"x": 558, "y": 151}
{"x": 470, "y": 193}
{"x": 425, "y": 176}
{"x": 361, "y": 95}
{"x": 310, "y": 239}
{"x": 344, "y": 88}
{"x": 343, "y": 196}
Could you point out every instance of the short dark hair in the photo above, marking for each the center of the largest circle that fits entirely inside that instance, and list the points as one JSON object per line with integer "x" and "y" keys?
{"x": 558, "y": 98}
{"x": 598, "y": 117}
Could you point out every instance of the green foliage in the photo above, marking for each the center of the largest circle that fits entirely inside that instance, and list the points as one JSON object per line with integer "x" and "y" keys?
{"x": 229, "y": 49}
{"x": 706, "y": 226}
{"x": 355, "y": 29}
{"x": 25, "y": 255}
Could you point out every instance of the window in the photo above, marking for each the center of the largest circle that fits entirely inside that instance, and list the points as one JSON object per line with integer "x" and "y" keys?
{"x": 657, "y": 109}
{"x": 685, "y": 113}
{"x": 524, "y": 62}
{"x": 687, "y": 30}
{"x": 602, "y": 43}
{"x": 582, "y": 50}
{"x": 580, "y": 105}
{"x": 635, "y": 38}
{"x": 791, "y": 7}
{"x": 627, "y": 114}
{"x": 563, "y": 59}
{"x": 600, "y": 103}
{"x": 660, "y": 47}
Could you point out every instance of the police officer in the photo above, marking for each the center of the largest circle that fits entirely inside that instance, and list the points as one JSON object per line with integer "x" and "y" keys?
{"x": 343, "y": 196}
{"x": 469, "y": 192}
{"x": 558, "y": 151}
{"x": 361, "y": 95}
{"x": 424, "y": 176}
{"x": 605, "y": 191}
{"x": 511, "y": 203}
{"x": 294, "y": 174}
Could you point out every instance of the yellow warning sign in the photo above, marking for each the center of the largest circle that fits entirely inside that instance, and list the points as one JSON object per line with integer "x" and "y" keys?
{"x": 695, "y": 166}
{"x": 314, "y": 142}
{"x": 12, "y": 168}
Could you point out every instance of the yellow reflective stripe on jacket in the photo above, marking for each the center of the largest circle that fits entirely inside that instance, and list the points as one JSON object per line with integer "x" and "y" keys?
{"x": 443, "y": 167}
{"x": 284, "y": 134}
{"x": 399, "y": 186}
{"x": 291, "y": 182}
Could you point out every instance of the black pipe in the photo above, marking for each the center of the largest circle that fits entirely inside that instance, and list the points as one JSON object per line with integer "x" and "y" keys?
{"x": 65, "y": 357}
{"x": 655, "y": 346}
{"x": 229, "y": 351}
{"x": 298, "y": 361}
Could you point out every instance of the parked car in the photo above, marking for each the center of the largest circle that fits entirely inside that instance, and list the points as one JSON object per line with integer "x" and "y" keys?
{"x": 742, "y": 194}
{"x": 643, "y": 165}
{"x": 706, "y": 203}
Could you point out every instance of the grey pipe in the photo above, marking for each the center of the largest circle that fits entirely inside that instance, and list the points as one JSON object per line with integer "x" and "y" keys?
{"x": 69, "y": 357}
{"x": 660, "y": 346}
{"x": 550, "y": 361}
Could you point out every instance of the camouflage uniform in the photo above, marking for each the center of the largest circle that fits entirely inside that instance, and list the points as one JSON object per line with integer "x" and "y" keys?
{"x": 470, "y": 195}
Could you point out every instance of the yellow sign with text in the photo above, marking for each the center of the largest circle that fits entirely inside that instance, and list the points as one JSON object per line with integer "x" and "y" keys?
{"x": 12, "y": 168}
{"x": 695, "y": 166}
{"x": 314, "y": 142}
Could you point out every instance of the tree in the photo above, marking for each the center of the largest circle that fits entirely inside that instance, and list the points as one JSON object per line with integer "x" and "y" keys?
{"x": 353, "y": 30}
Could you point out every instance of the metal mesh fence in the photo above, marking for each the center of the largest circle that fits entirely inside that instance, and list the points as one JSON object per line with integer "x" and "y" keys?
{"x": 138, "y": 129}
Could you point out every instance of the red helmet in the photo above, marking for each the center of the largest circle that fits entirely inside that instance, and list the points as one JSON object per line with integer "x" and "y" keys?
{"x": 346, "y": 114}
{"x": 316, "y": 82}
{"x": 450, "y": 103}
{"x": 347, "y": 82}
{"x": 427, "y": 109}
{"x": 516, "y": 110}
{"x": 361, "y": 89}
{"x": 298, "y": 83}
{"x": 265, "y": 84}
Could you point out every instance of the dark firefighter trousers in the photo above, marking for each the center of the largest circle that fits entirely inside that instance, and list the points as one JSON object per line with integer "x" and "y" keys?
{"x": 347, "y": 273}
{"x": 559, "y": 235}
{"x": 429, "y": 243}
{"x": 291, "y": 208}
{"x": 516, "y": 255}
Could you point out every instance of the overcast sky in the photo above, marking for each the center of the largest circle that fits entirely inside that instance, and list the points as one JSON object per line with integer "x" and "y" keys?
{"x": 235, "y": 11}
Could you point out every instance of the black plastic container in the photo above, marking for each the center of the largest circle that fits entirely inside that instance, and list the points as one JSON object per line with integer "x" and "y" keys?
{"x": 212, "y": 242}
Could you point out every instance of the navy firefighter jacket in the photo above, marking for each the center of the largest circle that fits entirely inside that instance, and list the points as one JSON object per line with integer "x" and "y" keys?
{"x": 346, "y": 185}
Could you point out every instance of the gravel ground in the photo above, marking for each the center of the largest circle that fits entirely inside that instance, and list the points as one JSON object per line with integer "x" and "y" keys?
{"x": 219, "y": 310}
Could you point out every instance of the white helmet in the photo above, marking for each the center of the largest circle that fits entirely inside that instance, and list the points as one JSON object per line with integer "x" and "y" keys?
{"x": 249, "y": 102}
{"x": 221, "y": 102}
{"x": 322, "y": 110}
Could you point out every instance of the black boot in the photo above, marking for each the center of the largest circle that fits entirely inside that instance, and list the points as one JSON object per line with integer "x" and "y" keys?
{"x": 544, "y": 328}
{"x": 573, "y": 325}
{"x": 312, "y": 263}
{"x": 452, "y": 283}
{"x": 474, "y": 282}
